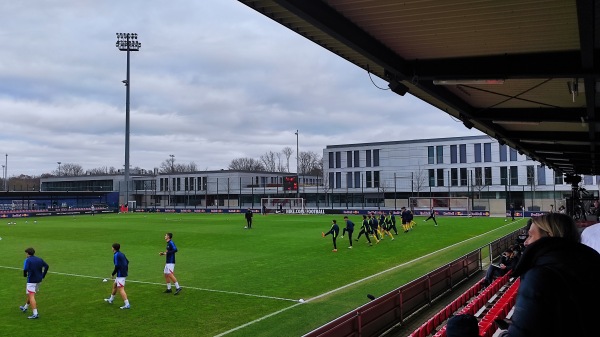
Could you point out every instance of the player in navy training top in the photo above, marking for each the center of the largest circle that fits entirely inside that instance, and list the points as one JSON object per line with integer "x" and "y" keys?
{"x": 349, "y": 228}
{"x": 35, "y": 269}
{"x": 170, "y": 264}
{"x": 334, "y": 231}
{"x": 121, "y": 271}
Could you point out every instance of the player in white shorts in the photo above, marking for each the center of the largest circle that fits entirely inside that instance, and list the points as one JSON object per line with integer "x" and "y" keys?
{"x": 170, "y": 264}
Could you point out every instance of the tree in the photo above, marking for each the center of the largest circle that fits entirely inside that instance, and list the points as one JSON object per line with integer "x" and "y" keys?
{"x": 310, "y": 163}
{"x": 246, "y": 164}
{"x": 268, "y": 161}
{"x": 169, "y": 166}
{"x": 418, "y": 180}
{"x": 70, "y": 170}
{"x": 23, "y": 183}
{"x": 287, "y": 152}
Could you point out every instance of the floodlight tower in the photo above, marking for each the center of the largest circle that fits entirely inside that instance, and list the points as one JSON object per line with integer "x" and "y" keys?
{"x": 127, "y": 42}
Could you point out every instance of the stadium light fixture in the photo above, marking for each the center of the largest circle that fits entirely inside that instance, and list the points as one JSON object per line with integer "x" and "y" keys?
{"x": 127, "y": 42}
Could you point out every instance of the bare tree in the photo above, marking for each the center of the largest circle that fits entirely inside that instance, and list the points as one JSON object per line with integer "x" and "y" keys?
{"x": 268, "y": 161}
{"x": 70, "y": 170}
{"x": 97, "y": 171}
{"x": 246, "y": 164}
{"x": 169, "y": 166}
{"x": 287, "y": 152}
{"x": 418, "y": 180}
{"x": 310, "y": 163}
{"x": 280, "y": 167}
{"x": 23, "y": 183}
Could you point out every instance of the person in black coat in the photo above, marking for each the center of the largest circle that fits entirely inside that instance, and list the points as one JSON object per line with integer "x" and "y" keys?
{"x": 248, "y": 217}
{"x": 559, "y": 293}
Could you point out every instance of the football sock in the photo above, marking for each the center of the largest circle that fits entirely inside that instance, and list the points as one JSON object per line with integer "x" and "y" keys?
{"x": 177, "y": 285}
{"x": 26, "y": 305}
{"x": 112, "y": 297}
{"x": 126, "y": 302}
{"x": 35, "y": 311}
{"x": 169, "y": 286}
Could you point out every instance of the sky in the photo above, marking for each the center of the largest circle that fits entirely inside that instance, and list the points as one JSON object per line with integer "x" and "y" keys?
{"x": 214, "y": 80}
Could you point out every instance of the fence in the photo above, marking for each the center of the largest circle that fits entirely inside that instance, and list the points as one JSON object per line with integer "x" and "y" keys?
{"x": 395, "y": 307}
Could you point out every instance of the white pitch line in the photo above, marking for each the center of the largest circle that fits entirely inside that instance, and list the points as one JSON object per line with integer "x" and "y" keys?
{"x": 162, "y": 284}
{"x": 356, "y": 282}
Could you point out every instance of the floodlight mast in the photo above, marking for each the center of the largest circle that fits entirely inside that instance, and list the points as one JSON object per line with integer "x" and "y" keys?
{"x": 127, "y": 42}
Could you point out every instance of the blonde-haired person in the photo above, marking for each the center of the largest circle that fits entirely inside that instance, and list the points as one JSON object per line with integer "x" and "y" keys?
{"x": 559, "y": 292}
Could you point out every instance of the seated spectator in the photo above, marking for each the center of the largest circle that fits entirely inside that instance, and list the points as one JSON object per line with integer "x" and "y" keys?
{"x": 462, "y": 326}
{"x": 508, "y": 261}
{"x": 558, "y": 293}
{"x": 591, "y": 236}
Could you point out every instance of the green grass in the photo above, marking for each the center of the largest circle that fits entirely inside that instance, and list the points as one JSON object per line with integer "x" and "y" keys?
{"x": 283, "y": 257}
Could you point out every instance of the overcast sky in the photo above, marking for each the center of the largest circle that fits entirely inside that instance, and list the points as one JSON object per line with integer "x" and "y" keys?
{"x": 214, "y": 80}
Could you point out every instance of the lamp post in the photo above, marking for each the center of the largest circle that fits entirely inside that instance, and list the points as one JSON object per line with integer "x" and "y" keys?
{"x": 6, "y": 172}
{"x": 127, "y": 42}
{"x": 172, "y": 162}
{"x": 297, "y": 166}
{"x": 58, "y": 167}
{"x": 3, "y": 179}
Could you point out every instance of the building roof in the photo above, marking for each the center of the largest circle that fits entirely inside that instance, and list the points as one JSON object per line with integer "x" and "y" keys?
{"x": 429, "y": 141}
{"x": 520, "y": 71}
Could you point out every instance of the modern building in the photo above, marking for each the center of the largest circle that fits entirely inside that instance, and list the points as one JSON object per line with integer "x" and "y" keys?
{"x": 491, "y": 174}
{"x": 380, "y": 175}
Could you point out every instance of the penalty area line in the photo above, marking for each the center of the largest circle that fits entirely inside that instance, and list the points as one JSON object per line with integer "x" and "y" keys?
{"x": 162, "y": 284}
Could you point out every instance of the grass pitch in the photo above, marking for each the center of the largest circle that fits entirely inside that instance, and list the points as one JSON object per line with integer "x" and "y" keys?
{"x": 236, "y": 282}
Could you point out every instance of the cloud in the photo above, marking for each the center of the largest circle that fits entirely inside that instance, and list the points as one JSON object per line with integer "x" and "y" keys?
{"x": 213, "y": 81}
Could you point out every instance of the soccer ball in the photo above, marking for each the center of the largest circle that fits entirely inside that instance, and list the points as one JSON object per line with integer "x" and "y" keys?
{"x": 301, "y": 300}
{"x": 104, "y": 280}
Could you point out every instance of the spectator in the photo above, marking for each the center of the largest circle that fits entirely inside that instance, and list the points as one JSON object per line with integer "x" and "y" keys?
{"x": 591, "y": 236}
{"x": 559, "y": 282}
{"x": 507, "y": 262}
{"x": 462, "y": 326}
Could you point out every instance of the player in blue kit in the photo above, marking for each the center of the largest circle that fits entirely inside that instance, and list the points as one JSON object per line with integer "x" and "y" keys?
{"x": 170, "y": 264}
{"x": 334, "y": 231}
{"x": 121, "y": 271}
{"x": 35, "y": 269}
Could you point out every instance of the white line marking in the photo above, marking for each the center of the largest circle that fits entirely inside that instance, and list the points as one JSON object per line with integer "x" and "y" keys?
{"x": 356, "y": 282}
{"x": 162, "y": 284}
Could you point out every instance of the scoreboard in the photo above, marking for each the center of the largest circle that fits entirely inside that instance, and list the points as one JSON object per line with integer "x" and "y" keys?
{"x": 290, "y": 183}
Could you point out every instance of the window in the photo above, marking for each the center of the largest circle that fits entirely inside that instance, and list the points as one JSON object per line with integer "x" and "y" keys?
{"x": 463, "y": 177}
{"x": 440, "y": 154}
{"x": 375, "y": 158}
{"x": 454, "y": 177}
{"x": 440, "y": 177}
{"x": 478, "y": 176}
{"x": 369, "y": 181}
{"x": 356, "y": 159}
{"x": 431, "y": 177}
{"x": 477, "y": 152}
{"x": 349, "y": 179}
{"x": 349, "y": 158}
{"x": 503, "y": 175}
{"x": 357, "y": 179}
{"x": 514, "y": 175}
{"x": 513, "y": 155}
{"x": 376, "y": 179}
{"x": 488, "y": 176}
{"x": 502, "y": 150}
{"x": 186, "y": 183}
{"x": 487, "y": 152}
{"x": 368, "y": 155}
{"x": 430, "y": 155}
{"x": 453, "y": 154}
{"x": 558, "y": 178}
{"x": 588, "y": 180}
{"x": 331, "y": 177}
{"x": 541, "y": 175}
{"x": 530, "y": 175}
{"x": 462, "y": 153}
{"x": 338, "y": 179}
{"x": 330, "y": 159}
{"x": 338, "y": 159}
